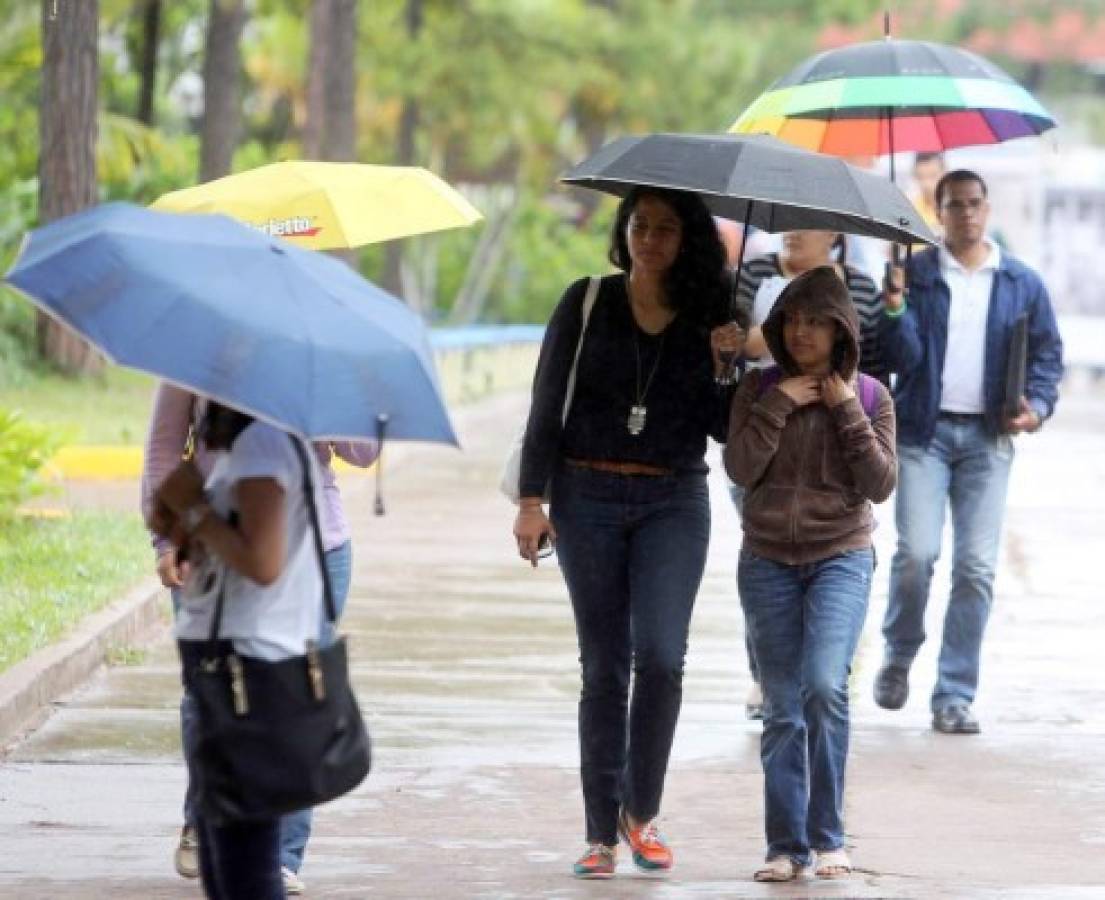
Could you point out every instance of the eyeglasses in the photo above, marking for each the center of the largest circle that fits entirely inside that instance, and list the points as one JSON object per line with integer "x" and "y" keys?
{"x": 961, "y": 206}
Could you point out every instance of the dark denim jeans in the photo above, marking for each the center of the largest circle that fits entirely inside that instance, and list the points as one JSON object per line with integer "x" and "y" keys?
{"x": 805, "y": 623}
{"x": 295, "y": 828}
{"x": 632, "y": 550}
{"x": 240, "y": 861}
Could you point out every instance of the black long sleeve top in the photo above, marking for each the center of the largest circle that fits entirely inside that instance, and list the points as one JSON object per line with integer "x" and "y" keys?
{"x": 684, "y": 403}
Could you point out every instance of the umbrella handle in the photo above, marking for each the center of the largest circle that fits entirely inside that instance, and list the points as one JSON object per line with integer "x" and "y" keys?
{"x": 381, "y": 428}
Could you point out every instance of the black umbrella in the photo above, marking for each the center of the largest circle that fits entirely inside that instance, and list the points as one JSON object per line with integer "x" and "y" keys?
{"x": 758, "y": 180}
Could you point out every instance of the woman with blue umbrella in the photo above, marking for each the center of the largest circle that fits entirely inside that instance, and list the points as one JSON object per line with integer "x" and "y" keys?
{"x": 290, "y": 338}
{"x": 173, "y": 426}
{"x": 246, "y": 534}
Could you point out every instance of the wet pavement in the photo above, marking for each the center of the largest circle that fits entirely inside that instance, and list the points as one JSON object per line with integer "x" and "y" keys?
{"x": 465, "y": 662}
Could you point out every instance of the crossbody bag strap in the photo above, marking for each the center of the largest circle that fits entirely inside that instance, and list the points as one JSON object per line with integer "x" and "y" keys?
{"x": 316, "y": 529}
{"x": 588, "y": 305}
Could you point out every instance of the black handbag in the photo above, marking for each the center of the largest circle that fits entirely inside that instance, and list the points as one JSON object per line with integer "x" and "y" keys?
{"x": 276, "y": 737}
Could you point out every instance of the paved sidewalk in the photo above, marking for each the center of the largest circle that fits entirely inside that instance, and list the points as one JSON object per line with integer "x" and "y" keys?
{"x": 466, "y": 662}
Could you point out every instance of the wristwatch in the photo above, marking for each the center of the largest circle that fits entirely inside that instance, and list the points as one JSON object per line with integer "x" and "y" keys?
{"x": 193, "y": 516}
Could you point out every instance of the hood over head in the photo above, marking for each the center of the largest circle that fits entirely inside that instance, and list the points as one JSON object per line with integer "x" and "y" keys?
{"x": 819, "y": 290}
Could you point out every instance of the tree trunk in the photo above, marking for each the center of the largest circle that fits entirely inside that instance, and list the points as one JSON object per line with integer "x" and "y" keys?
{"x": 501, "y": 206}
{"x": 147, "y": 68}
{"x": 408, "y": 127}
{"x": 222, "y": 64}
{"x": 314, "y": 125}
{"x": 340, "y": 142}
{"x": 67, "y": 136}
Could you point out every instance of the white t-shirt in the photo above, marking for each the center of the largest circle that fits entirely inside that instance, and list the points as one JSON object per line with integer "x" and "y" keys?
{"x": 762, "y": 304}
{"x": 961, "y": 387}
{"x": 271, "y": 622}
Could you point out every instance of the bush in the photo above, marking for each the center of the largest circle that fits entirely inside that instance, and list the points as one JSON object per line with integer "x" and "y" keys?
{"x": 24, "y": 449}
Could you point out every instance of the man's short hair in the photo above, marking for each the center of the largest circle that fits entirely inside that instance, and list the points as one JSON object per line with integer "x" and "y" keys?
{"x": 927, "y": 157}
{"x": 957, "y": 176}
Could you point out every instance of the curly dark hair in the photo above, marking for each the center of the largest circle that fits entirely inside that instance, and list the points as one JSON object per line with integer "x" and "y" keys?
{"x": 696, "y": 282}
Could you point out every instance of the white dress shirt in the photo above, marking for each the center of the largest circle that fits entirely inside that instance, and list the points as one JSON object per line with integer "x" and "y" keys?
{"x": 962, "y": 389}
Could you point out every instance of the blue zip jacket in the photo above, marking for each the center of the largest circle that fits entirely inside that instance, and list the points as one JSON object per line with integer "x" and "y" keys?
{"x": 915, "y": 343}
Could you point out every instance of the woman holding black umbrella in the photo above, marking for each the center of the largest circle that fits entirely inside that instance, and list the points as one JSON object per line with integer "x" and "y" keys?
{"x": 629, "y": 512}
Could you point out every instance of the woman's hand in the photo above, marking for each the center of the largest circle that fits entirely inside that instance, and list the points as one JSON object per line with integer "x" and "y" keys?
{"x": 531, "y": 525}
{"x": 726, "y": 344}
{"x": 170, "y": 570}
{"x": 835, "y": 390}
{"x": 802, "y": 389}
{"x": 181, "y": 490}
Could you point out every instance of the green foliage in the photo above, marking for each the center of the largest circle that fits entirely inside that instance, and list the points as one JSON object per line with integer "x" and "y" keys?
{"x": 506, "y": 94}
{"x": 547, "y": 252}
{"x": 112, "y": 407}
{"x": 24, "y": 449}
{"x": 54, "y": 572}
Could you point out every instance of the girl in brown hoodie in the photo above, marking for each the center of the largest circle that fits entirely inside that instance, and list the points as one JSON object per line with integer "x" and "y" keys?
{"x": 812, "y": 445}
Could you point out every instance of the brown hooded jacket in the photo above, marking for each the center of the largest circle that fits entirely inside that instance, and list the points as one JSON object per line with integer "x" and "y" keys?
{"x": 810, "y": 472}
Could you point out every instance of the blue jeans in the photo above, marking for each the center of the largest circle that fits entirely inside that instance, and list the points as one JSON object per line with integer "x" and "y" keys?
{"x": 295, "y": 828}
{"x": 965, "y": 467}
{"x": 805, "y": 623}
{"x": 632, "y": 550}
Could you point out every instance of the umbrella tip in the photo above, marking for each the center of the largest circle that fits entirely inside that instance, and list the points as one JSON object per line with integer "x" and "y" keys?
{"x": 886, "y": 24}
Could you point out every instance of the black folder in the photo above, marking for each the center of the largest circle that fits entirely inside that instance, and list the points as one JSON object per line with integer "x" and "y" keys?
{"x": 1015, "y": 368}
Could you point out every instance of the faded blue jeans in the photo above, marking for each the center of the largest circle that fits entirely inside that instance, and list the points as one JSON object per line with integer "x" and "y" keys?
{"x": 966, "y": 468}
{"x": 805, "y": 622}
{"x": 632, "y": 550}
{"x": 295, "y": 828}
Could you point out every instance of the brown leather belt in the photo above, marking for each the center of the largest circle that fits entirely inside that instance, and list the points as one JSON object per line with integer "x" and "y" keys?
{"x": 619, "y": 468}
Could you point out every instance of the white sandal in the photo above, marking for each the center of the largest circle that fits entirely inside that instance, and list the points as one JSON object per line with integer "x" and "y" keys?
{"x": 779, "y": 868}
{"x": 833, "y": 864}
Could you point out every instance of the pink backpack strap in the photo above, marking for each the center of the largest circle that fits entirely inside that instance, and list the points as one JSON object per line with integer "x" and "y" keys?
{"x": 769, "y": 377}
{"x": 868, "y": 395}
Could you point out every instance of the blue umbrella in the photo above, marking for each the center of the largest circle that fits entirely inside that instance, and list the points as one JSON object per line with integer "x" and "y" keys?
{"x": 289, "y": 335}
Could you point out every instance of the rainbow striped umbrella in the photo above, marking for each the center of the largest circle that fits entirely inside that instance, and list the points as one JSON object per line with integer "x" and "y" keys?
{"x": 887, "y": 96}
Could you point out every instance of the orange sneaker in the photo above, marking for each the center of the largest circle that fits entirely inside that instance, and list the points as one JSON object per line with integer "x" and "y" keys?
{"x": 651, "y": 852}
{"x": 599, "y": 861}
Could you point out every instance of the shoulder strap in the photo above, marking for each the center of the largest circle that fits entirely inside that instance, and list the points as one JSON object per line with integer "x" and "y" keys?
{"x": 588, "y": 305}
{"x": 769, "y": 377}
{"x": 868, "y": 395}
{"x": 316, "y": 530}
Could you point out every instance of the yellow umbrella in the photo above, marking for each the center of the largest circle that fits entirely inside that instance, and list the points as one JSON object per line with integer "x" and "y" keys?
{"x": 327, "y": 205}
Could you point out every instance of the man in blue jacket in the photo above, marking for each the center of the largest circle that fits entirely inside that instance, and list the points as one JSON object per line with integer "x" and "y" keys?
{"x": 948, "y": 339}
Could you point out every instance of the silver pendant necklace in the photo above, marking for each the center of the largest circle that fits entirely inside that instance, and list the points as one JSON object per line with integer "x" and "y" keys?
{"x": 638, "y": 412}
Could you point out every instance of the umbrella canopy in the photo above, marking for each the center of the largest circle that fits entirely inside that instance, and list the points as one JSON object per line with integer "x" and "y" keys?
{"x": 327, "y": 205}
{"x": 938, "y": 97}
{"x": 758, "y": 180}
{"x": 290, "y": 336}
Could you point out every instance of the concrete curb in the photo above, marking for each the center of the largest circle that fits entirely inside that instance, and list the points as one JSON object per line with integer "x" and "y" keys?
{"x": 29, "y": 688}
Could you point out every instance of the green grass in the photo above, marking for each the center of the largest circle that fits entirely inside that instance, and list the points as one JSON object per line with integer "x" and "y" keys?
{"x": 54, "y": 572}
{"x": 112, "y": 408}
